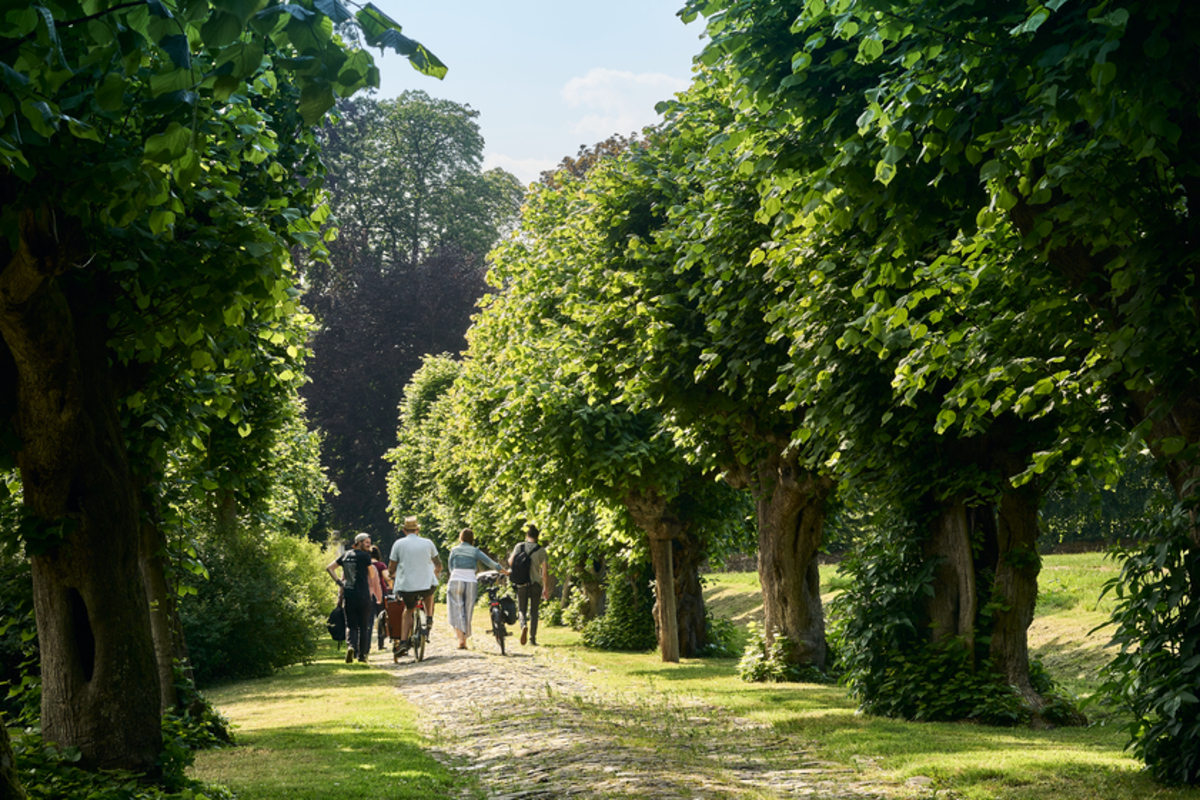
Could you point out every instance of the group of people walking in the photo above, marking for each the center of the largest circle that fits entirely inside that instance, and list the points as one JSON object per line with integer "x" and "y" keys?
{"x": 413, "y": 573}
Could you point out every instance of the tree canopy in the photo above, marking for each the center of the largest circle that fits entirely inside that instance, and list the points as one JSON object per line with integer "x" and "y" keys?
{"x": 157, "y": 165}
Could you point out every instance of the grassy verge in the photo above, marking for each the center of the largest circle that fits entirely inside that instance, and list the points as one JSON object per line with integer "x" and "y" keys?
{"x": 331, "y": 729}
{"x": 970, "y": 761}
{"x": 327, "y": 729}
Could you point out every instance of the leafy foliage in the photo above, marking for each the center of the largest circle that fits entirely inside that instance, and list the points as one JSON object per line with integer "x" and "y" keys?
{"x": 627, "y": 623}
{"x": 887, "y": 658}
{"x": 771, "y": 662}
{"x": 259, "y": 608}
{"x": 1156, "y": 676}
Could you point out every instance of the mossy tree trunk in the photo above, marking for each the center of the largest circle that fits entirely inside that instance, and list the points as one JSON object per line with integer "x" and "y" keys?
{"x": 99, "y": 684}
{"x": 790, "y": 508}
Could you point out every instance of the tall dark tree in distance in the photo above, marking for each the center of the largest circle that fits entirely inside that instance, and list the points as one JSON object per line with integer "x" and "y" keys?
{"x": 416, "y": 215}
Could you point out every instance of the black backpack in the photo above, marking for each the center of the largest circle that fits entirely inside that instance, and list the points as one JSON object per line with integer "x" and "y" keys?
{"x": 519, "y": 573}
{"x": 337, "y": 623}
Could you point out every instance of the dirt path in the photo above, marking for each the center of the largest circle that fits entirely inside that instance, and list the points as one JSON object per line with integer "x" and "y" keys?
{"x": 532, "y": 726}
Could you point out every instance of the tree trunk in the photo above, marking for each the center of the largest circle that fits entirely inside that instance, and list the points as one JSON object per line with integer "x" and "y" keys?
{"x": 790, "y": 506}
{"x": 688, "y": 554}
{"x": 165, "y": 627}
{"x": 952, "y": 609}
{"x": 99, "y": 684}
{"x": 226, "y": 514}
{"x": 1015, "y": 587}
{"x": 650, "y": 512}
{"x": 594, "y": 590}
{"x": 664, "y": 605}
{"x": 10, "y": 783}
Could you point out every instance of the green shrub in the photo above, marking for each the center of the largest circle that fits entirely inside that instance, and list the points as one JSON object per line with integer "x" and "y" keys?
{"x": 628, "y": 621}
{"x": 721, "y": 636}
{"x": 884, "y": 650}
{"x": 1157, "y": 673}
{"x": 575, "y": 614}
{"x": 260, "y": 609}
{"x": 551, "y": 613}
{"x": 763, "y": 663}
{"x": 49, "y": 772}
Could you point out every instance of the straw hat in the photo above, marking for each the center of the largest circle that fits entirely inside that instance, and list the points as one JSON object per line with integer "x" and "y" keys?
{"x": 410, "y": 525}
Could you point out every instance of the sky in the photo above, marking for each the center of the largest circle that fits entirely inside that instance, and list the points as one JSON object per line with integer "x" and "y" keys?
{"x": 546, "y": 76}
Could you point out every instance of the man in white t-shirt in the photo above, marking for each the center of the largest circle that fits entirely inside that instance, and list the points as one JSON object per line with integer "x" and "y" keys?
{"x": 414, "y": 567}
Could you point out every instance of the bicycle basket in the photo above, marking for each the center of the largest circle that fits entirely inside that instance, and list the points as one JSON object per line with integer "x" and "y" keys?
{"x": 509, "y": 607}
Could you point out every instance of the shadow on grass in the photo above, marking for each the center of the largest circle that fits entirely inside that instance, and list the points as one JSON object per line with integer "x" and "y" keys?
{"x": 314, "y": 763}
{"x": 322, "y": 730}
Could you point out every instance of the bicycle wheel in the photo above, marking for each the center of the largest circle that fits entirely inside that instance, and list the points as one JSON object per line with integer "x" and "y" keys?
{"x": 498, "y": 628}
{"x": 418, "y": 635}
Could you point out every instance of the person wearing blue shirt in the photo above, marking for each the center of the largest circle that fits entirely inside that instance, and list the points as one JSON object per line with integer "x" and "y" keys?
{"x": 462, "y": 590}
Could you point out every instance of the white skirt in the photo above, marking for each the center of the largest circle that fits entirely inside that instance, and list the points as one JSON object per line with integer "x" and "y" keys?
{"x": 460, "y": 603}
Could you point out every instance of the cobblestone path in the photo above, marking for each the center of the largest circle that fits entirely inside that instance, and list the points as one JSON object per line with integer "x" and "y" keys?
{"x": 532, "y": 726}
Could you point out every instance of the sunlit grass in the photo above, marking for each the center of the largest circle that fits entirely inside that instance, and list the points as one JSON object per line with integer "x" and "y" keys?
{"x": 324, "y": 730}
{"x": 973, "y": 761}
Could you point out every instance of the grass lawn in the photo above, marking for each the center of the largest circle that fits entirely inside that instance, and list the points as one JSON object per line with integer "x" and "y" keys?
{"x": 971, "y": 761}
{"x": 331, "y": 729}
{"x": 323, "y": 730}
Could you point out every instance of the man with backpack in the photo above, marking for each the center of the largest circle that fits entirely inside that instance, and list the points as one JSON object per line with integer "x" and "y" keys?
{"x": 530, "y": 573}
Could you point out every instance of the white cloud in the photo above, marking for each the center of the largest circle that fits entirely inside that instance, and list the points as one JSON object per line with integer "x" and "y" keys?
{"x": 527, "y": 170}
{"x": 617, "y": 102}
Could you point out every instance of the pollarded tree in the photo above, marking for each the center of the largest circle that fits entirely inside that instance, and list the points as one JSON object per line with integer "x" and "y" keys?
{"x": 1015, "y": 117}
{"x": 151, "y": 159}
{"x": 562, "y": 434}
{"x": 1068, "y": 124}
{"x": 690, "y": 336}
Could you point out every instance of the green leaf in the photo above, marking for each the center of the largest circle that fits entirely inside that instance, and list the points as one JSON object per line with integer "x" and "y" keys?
{"x": 869, "y": 50}
{"x": 165, "y": 147}
{"x": 992, "y": 169}
{"x": 315, "y": 99}
{"x": 382, "y": 31}
{"x": 187, "y": 169}
{"x": 221, "y": 29}
{"x": 334, "y": 10}
{"x": 241, "y": 10}
{"x": 246, "y": 58}
{"x": 176, "y": 46}
{"x": 110, "y": 94}
{"x": 177, "y": 80}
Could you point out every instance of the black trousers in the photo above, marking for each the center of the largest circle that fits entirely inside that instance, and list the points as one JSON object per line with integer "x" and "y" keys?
{"x": 358, "y": 624}
{"x": 529, "y": 600}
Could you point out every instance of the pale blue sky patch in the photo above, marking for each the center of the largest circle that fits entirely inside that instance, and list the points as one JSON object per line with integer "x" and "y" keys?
{"x": 547, "y": 77}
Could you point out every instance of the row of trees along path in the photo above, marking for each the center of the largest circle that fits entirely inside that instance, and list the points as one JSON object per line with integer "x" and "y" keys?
{"x": 532, "y": 725}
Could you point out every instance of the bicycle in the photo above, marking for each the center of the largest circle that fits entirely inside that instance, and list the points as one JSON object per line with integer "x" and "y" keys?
{"x": 502, "y": 609}
{"x": 420, "y": 634}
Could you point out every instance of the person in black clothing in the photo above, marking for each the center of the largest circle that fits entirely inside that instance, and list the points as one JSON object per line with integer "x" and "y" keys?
{"x": 361, "y": 590}
{"x": 530, "y": 574}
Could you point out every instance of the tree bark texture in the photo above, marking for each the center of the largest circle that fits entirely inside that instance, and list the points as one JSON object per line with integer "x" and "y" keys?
{"x": 166, "y": 629}
{"x": 664, "y": 601}
{"x": 687, "y": 557}
{"x": 790, "y": 506}
{"x": 1015, "y": 587}
{"x": 652, "y": 514}
{"x": 10, "y": 783}
{"x": 953, "y": 608}
{"x": 99, "y": 685}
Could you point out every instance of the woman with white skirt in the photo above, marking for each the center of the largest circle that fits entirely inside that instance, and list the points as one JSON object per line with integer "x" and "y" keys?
{"x": 461, "y": 592}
